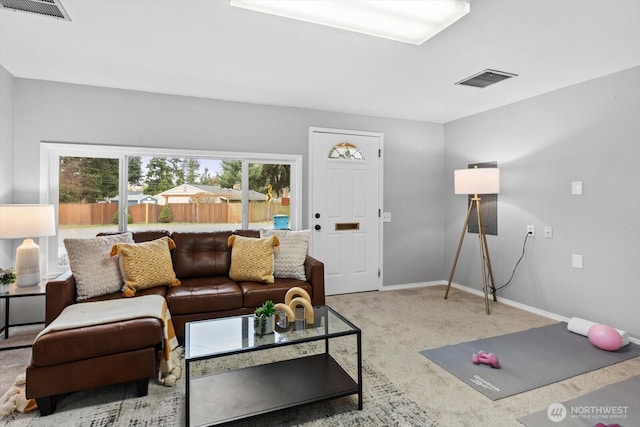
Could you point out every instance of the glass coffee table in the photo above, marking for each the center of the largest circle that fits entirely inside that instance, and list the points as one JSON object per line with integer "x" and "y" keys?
{"x": 254, "y": 390}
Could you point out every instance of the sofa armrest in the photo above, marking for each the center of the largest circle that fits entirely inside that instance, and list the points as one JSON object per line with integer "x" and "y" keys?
{"x": 314, "y": 270}
{"x": 60, "y": 293}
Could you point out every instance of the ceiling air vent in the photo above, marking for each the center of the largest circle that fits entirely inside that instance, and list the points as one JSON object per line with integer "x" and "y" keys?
{"x": 485, "y": 78}
{"x": 51, "y": 8}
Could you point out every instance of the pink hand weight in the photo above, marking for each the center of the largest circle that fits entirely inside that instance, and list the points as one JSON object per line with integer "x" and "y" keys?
{"x": 486, "y": 358}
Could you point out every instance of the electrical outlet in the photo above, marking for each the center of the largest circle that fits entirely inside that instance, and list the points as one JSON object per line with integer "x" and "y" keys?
{"x": 531, "y": 230}
{"x": 548, "y": 232}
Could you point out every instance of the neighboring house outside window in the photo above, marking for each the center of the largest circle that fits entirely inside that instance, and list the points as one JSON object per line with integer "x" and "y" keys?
{"x": 165, "y": 190}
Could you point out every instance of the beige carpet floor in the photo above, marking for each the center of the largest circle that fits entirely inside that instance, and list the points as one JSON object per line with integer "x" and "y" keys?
{"x": 13, "y": 362}
{"x": 397, "y": 324}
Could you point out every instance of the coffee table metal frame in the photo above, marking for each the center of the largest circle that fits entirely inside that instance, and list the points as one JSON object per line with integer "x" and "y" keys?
{"x": 260, "y": 389}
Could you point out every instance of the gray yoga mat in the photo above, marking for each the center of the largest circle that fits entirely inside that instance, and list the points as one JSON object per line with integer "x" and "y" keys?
{"x": 528, "y": 359}
{"x": 616, "y": 403}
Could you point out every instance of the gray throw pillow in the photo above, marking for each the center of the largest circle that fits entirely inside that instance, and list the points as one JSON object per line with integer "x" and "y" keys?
{"x": 289, "y": 257}
{"x": 95, "y": 271}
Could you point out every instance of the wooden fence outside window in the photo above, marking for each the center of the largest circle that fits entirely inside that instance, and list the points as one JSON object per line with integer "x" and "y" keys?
{"x": 87, "y": 214}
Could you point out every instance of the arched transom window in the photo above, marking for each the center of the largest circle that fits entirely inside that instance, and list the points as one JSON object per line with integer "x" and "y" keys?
{"x": 345, "y": 151}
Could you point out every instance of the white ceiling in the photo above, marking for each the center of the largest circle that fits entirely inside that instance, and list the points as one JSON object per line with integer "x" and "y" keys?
{"x": 206, "y": 48}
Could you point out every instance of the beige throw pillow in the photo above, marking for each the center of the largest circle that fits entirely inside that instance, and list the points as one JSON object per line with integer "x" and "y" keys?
{"x": 289, "y": 257}
{"x": 95, "y": 272}
{"x": 252, "y": 258}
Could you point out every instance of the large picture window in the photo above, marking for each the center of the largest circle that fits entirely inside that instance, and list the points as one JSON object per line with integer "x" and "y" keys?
{"x": 95, "y": 191}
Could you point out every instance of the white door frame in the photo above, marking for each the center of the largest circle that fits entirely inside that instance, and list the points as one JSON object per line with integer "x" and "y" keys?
{"x": 380, "y": 183}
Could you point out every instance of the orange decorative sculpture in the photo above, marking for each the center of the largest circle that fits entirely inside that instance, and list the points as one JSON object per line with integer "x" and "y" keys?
{"x": 291, "y": 315}
{"x": 297, "y": 297}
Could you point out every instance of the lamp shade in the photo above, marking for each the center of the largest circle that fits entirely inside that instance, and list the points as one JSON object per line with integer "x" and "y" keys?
{"x": 20, "y": 221}
{"x": 477, "y": 181}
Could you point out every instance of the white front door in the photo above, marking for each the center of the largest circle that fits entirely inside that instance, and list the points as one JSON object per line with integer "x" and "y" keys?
{"x": 346, "y": 204}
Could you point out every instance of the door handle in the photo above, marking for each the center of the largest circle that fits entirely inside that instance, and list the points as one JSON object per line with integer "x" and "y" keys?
{"x": 317, "y": 227}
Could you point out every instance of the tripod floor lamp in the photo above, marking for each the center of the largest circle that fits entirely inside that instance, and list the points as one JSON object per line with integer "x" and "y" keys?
{"x": 477, "y": 181}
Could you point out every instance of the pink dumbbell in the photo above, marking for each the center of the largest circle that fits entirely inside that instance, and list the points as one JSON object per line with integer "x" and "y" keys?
{"x": 486, "y": 358}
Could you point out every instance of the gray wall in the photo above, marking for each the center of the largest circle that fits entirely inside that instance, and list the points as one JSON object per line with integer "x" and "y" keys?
{"x": 6, "y": 154}
{"x": 413, "y": 155}
{"x": 24, "y": 309}
{"x": 589, "y": 132}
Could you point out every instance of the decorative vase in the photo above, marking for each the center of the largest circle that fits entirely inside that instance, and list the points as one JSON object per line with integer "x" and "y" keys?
{"x": 270, "y": 323}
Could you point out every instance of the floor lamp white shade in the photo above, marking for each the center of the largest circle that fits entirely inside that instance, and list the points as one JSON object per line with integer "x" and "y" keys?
{"x": 477, "y": 181}
{"x": 27, "y": 221}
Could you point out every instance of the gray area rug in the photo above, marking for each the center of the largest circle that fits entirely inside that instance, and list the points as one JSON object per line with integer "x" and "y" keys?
{"x": 383, "y": 405}
{"x": 616, "y": 403}
{"x": 528, "y": 359}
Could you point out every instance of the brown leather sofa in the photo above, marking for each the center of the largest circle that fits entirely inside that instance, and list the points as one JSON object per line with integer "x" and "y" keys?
{"x": 99, "y": 355}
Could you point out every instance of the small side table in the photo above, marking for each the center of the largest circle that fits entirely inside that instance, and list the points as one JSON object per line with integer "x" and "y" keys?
{"x": 11, "y": 292}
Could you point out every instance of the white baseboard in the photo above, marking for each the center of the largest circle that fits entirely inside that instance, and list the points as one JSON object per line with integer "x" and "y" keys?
{"x": 413, "y": 285}
{"x": 502, "y": 300}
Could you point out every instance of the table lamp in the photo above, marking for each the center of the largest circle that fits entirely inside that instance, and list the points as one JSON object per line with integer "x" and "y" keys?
{"x": 476, "y": 181}
{"x": 27, "y": 221}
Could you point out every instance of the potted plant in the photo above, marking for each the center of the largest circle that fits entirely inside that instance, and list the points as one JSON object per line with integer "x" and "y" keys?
{"x": 7, "y": 276}
{"x": 264, "y": 318}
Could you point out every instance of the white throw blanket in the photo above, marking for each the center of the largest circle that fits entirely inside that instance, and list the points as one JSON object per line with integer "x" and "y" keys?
{"x": 100, "y": 312}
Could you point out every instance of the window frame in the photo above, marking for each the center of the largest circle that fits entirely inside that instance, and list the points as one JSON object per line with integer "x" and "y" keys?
{"x": 51, "y": 151}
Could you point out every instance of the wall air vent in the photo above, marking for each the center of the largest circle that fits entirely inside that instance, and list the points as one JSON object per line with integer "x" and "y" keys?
{"x": 485, "y": 78}
{"x": 51, "y": 8}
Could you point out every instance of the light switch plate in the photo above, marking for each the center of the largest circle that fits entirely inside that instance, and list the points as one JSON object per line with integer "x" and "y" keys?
{"x": 576, "y": 188}
{"x": 577, "y": 261}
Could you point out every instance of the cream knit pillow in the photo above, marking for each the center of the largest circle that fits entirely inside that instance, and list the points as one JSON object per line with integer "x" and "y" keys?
{"x": 289, "y": 257}
{"x": 95, "y": 272}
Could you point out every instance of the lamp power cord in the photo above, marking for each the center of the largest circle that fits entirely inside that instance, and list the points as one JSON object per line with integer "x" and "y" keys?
{"x": 524, "y": 246}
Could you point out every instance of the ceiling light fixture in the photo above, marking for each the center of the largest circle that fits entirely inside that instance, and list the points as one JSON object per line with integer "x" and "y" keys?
{"x": 412, "y": 21}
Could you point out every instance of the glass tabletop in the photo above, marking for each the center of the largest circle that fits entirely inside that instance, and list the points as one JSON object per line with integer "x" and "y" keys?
{"x": 10, "y": 291}
{"x": 229, "y": 335}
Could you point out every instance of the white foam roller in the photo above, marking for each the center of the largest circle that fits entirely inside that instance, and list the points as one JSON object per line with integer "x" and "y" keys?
{"x": 581, "y": 326}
